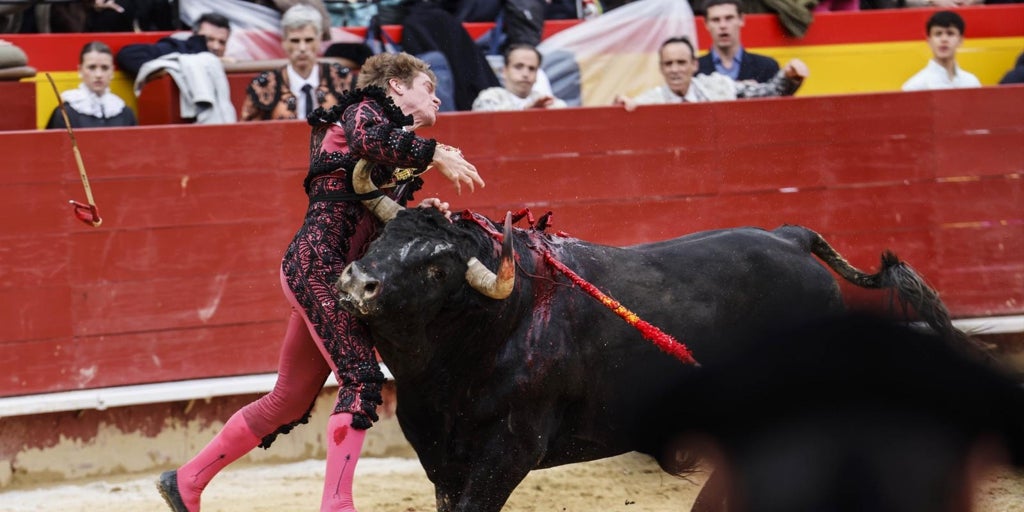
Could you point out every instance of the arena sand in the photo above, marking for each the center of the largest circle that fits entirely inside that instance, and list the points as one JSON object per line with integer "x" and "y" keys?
{"x": 628, "y": 483}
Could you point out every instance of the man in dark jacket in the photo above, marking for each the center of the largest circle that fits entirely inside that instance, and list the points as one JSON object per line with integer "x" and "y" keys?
{"x": 210, "y": 34}
{"x": 723, "y": 20}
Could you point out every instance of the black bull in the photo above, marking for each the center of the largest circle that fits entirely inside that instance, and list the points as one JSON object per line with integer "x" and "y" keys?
{"x": 490, "y": 389}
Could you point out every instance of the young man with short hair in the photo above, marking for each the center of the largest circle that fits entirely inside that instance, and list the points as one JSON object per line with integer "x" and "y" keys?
{"x": 210, "y": 34}
{"x": 522, "y": 62}
{"x": 945, "y": 33}
{"x": 723, "y": 20}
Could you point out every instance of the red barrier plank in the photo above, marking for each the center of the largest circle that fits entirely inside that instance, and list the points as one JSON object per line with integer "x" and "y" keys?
{"x": 161, "y": 304}
{"x": 136, "y": 358}
{"x": 179, "y": 252}
{"x": 40, "y": 311}
{"x": 19, "y": 105}
{"x": 146, "y": 202}
{"x": 35, "y": 366}
{"x": 31, "y": 261}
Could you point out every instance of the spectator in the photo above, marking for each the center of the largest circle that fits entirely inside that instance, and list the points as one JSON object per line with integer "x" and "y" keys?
{"x": 435, "y": 36}
{"x": 282, "y": 6}
{"x": 302, "y": 85}
{"x": 723, "y": 19}
{"x": 1015, "y": 75}
{"x": 850, "y": 413}
{"x": 678, "y": 66}
{"x": 524, "y": 21}
{"x": 108, "y": 15}
{"x": 522, "y": 63}
{"x": 91, "y": 104}
{"x": 210, "y": 34}
{"x": 945, "y": 34}
{"x": 349, "y": 55}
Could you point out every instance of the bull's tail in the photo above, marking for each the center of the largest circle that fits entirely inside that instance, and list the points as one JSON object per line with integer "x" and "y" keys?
{"x": 907, "y": 288}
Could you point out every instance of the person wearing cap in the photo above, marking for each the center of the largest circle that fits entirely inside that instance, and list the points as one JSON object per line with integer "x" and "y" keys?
{"x": 349, "y": 55}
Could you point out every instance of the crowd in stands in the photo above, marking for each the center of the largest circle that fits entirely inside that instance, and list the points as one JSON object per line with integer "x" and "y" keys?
{"x": 318, "y": 73}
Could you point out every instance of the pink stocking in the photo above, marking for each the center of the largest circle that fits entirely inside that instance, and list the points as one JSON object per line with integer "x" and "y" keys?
{"x": 344, "y": 444}
{"x": 232, "y": 442}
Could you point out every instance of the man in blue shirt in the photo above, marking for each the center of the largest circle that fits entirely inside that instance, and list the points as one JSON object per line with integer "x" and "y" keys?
{"x": 723, "y": 20}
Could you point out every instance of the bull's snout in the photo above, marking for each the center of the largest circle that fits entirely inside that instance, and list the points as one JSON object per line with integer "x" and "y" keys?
{"x": 357, "y": 289}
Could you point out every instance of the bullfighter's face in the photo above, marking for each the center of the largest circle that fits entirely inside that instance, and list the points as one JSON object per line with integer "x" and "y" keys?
{"x": 417, "y": 99}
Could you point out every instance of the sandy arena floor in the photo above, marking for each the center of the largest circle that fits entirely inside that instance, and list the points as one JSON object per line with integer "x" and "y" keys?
{"x": 629, "y": 483}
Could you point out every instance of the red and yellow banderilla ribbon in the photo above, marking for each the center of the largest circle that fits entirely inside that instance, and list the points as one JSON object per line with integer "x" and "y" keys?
{"x": 661, "y": 339}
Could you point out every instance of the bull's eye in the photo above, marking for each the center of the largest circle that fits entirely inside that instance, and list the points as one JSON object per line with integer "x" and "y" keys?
{"x": 435, "y": 273}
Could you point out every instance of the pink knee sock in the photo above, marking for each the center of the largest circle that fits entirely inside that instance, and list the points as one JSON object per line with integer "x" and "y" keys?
{"x": 344, "y": 444}
{"x": 232, "y": 442}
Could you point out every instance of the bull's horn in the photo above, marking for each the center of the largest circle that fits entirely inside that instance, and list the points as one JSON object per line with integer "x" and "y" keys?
{"x": 495, "y": 285}
{"x": 383, "y": 207}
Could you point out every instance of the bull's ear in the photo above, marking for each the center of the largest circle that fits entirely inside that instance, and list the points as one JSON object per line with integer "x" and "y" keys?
{"x": 496, "y": 285}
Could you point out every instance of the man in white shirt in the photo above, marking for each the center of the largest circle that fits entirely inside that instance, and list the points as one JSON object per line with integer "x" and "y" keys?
{"x": 677, "y": 64}
{"x": 304, "y": 84}
{"x": 522, "y": 62}
{"x": 945, "y": 32}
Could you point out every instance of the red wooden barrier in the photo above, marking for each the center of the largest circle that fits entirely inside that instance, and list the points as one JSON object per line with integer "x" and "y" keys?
{"x": 19, "y": 105}
{"x": 180, "y": 281}
{"x": 159, "y": 100}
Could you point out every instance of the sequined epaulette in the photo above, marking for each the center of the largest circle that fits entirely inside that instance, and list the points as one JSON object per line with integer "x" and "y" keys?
{"x": 394, "y": 114}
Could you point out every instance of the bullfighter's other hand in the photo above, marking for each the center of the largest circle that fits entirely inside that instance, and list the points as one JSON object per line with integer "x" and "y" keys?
{"x": 450, "y": 162}
{"x": 442, "y": 206}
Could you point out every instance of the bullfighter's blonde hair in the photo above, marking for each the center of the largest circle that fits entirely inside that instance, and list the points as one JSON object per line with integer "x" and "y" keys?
{"x": 377, "y": 70}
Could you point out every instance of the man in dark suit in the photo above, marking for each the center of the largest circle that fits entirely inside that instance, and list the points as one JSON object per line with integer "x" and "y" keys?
{"x": 724, "y": 19}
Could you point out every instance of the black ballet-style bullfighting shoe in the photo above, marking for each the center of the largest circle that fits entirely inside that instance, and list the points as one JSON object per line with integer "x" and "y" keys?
{"x": 168, "y": 487}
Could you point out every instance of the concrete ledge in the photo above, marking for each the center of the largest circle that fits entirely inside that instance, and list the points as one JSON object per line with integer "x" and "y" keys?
{"x": 102, "y": 398}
